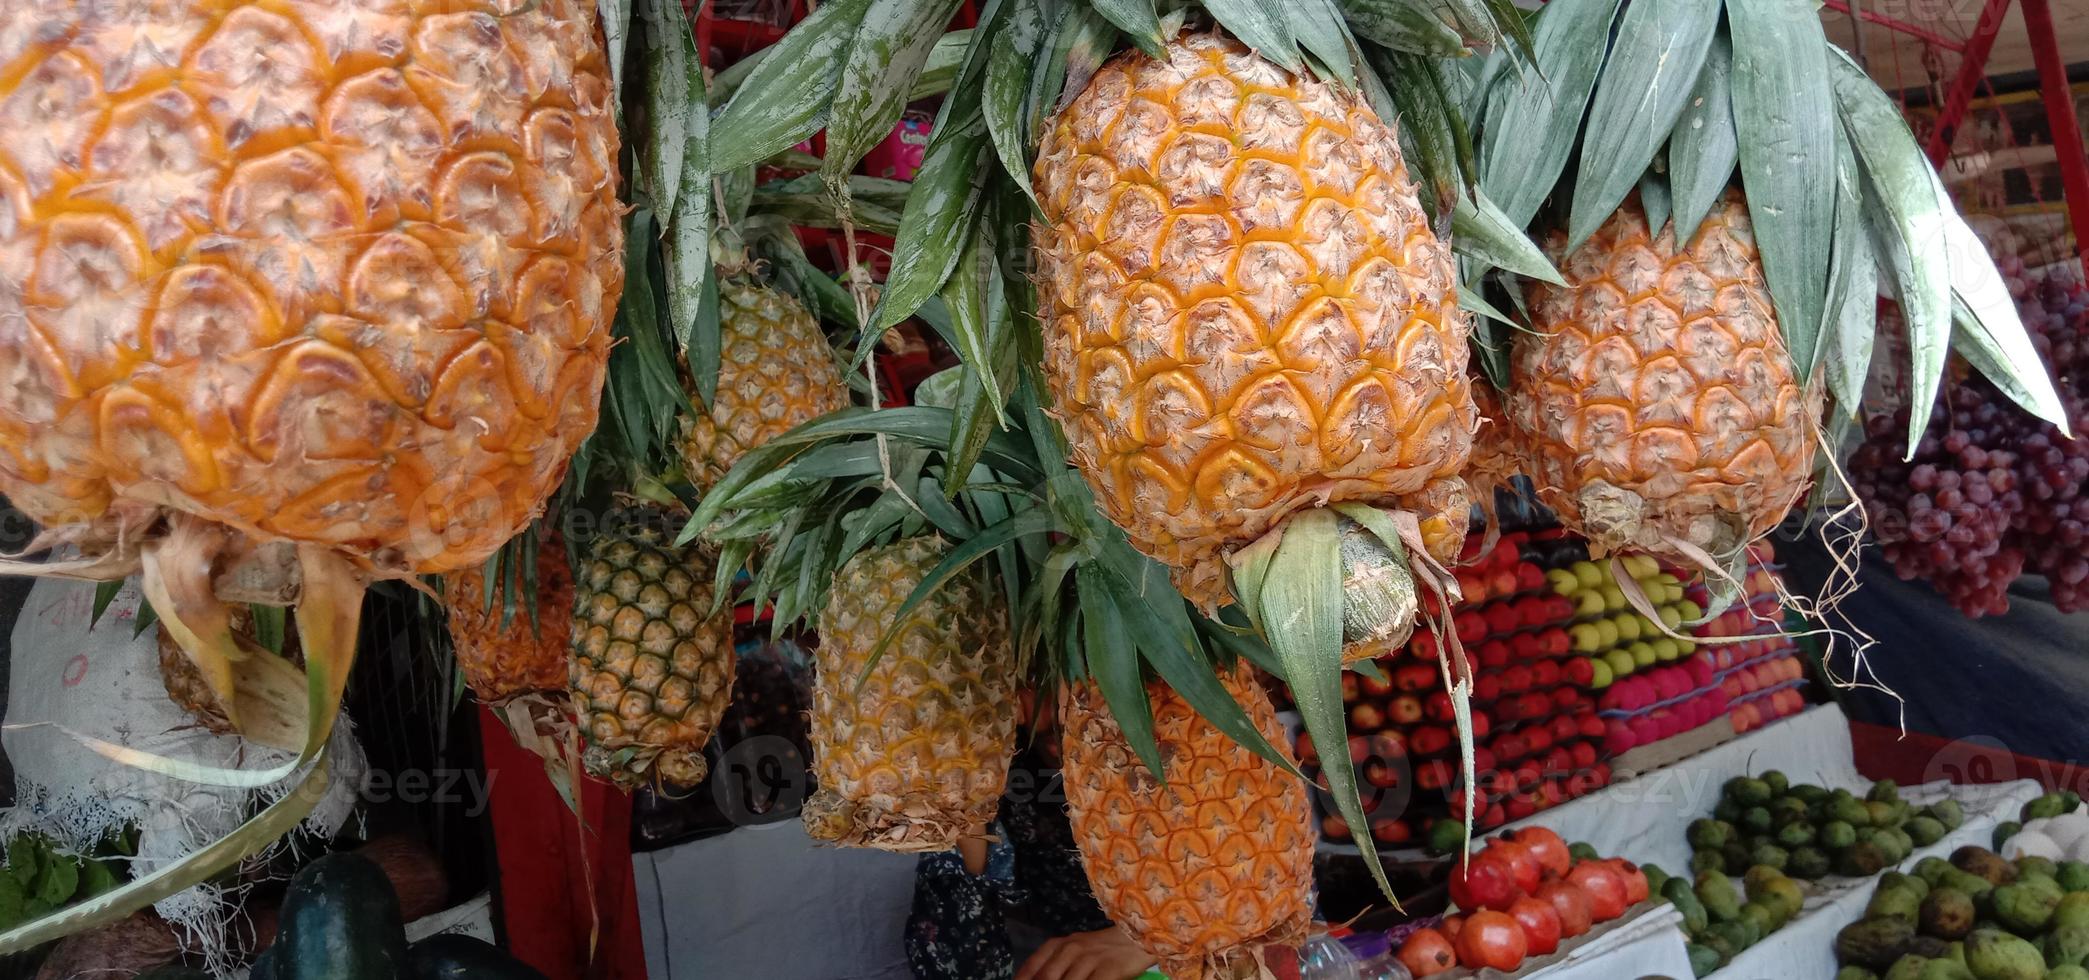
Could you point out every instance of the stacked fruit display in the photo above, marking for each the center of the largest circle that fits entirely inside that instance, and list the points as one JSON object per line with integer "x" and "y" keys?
{"x": 1661, "y": 703}
{"x": 1614, "y": 640}
{"x": 1811, "y": 832}
{"x": 1762, "y": 677}
{"x": 1991, "y": 492}
{"x": 1976, "y": 916}
{"x": 1520, "y": 896}
{"x": 1721, "y": 919}
{"x": 1535, "y": 729}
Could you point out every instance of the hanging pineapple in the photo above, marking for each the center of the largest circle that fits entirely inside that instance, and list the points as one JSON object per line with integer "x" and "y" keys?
{"x": 1245, "y": 327}
{"x": 1743, "y": 190}
{"x": 652, "y": 656}
{"x": 1252, "y": 384}
{"x": 911, "y": 748}
{"x": 316, "y": 291}
{"x": 775, "y": 371}
{"x": 510, "y": 646}
{"x": 1206, "y": 865}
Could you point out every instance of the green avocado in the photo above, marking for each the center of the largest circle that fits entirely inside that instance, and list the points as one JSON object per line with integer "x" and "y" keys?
{"x": 2073, "y": 876}
{"x": 1901, "y": 900}
{"x": 1798, "y": 833}
{"x": 1946, "y": 913}
{"x": 1680, "y": 895}
{"x": 1975, "y": 887}
{"x": 1894, "y": 842}
{"x": 2067, "y": 973}
{"x": 1583, "y": 851}
{"x": 1874, "y": 943}
{"x": 1838, "y": 834}
{"x": 1656, "y": 877}
{"x": 2073, "y": 911}
{"x": 2025, "y": 907}
{"x": 1704, "y": 959}
{"x": 1756, "y": 820}
{"x": 1947, "y": 812}
{"x": 2045, "y": 807}
{"x": 1779, "y": 783}
{"x": 1807, "y": 863}
{"x": 1782, "y": 894}
{"x": 1737, "y": 854}
{"x": 1748, "y": 792}
{"x": 1808, "y": 792}
{"x": 2031, "y": 864}
{"x": 1721, "y": 900}
{"x": 1727, "y": 809}
{"x": 1704, "y": 861}
{"x": 1931, "y": 869}
{"x": 2067, "y": 946}
{"x": 1861, "y": 860}
{"x": 1925, "y": 830}
{"x": 1849, "y": 811}
{"x": 1882, "y": 814}
{"x": 1770, "y": 856}
{"x": 1985, "y": 863}
{"x": 1706, "y": 834}
{"x": 1884, "y": 791}
{"x": 1908, "y": 967}
{"x": 1944, "y": 970}
{"x": 1896, "y": 878}
{"x": 1761, "y": 917}
{"x": 1995, "y": 955}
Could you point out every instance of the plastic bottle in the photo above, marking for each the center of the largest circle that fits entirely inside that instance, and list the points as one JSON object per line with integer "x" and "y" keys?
{"x": 1325, "y": 958}
{"x": 1375, "y": 959}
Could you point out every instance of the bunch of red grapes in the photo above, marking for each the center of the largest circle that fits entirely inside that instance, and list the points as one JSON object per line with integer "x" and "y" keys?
{"x": 1991, "y": 492}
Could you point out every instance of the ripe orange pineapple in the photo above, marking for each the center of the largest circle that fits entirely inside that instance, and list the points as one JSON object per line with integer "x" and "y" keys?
{"x": 524, "y": 654}
{"x": 775, "y": 371}
{"x": 911, "y": 755}
{"x": 1246, "y": 313}
{"x": 1657, "y": 403}
{"x": 331, "y": 275}
{"x": 1210, "y": 867}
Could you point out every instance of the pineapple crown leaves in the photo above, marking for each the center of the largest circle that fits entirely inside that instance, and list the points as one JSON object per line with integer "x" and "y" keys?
{"x": 852, "y": 65}
{"x": 1672, "y": 98}
{"x": 804, "y": 504}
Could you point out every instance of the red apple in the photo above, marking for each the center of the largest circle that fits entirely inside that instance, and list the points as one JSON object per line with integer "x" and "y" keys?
{"x": 1349, "y": 686}
{"x": 1471, "y": 627}
{"x": 1389, "y": 745}
{"x": 1404, "y": 709}
{"x": 1415, "y": 677}
{"x": 1424, "y": 645}
{"x": 1359, "y": 749}
{"x": 1430, "y": 739}
{"x": 1501, "y": 618}
{"x": 1556, "y": 640}
{"x": 1564, "y": 728}
{"x": 1376, "y": 687}
{"x": 1544, "y": 673}
{"x": 1431, "y": 776}
{"x": 1366, "y": 716}
{"x": 1391, "y": 831}
{"x": 1534, "y": 704}
{"x": 1332, "y": 827}
{"x": 1579, "y": 671}
{"x": 1486, "y": 687}
{"x": 1381, "y": 775}
{"x": 1303, "y": 750}
{"x": 1592, "y": 724}
{"x": 1529, "y": 577}
{"x": 1439, "y": 708}
{"x": 1584, "y": 755}
{"x": 1481, "y": 724}
{"x": 1492, "y": 654}
{"x": 1502, "y": 582}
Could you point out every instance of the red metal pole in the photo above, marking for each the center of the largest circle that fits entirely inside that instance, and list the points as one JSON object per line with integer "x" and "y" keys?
{"x": 1916, "y": 31}
{"x": 2067, "y": 129}
{"x": 1972, "y": 67}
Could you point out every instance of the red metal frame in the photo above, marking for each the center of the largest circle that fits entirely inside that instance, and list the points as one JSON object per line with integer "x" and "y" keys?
{"x": 1923, "y": 34}
{"x": 2067, "y": 129}
{"x": 1972, "y": 68}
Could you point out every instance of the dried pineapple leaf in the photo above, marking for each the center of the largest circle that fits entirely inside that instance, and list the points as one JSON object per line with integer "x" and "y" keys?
{"x": 198, "y": 866}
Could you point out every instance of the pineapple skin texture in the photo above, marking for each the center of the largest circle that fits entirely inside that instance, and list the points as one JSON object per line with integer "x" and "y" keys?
{"x": 500, "y": 661}
{"x": 1245, "y": 310}
{"x": 652, "y": 669}
{"x": 917, "y": 756}
{"x": 1657, "y": 399}
{"x": 1209, "y": 868}
{"x": 332, "y": 271}
{"x": 775, "y": 372}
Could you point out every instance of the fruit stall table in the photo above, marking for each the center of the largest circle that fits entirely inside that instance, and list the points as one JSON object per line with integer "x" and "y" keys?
{"x": 1805, "y": 948}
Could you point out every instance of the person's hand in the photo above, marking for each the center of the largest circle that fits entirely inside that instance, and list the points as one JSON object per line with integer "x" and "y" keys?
{"x": 1105, "y": 954}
